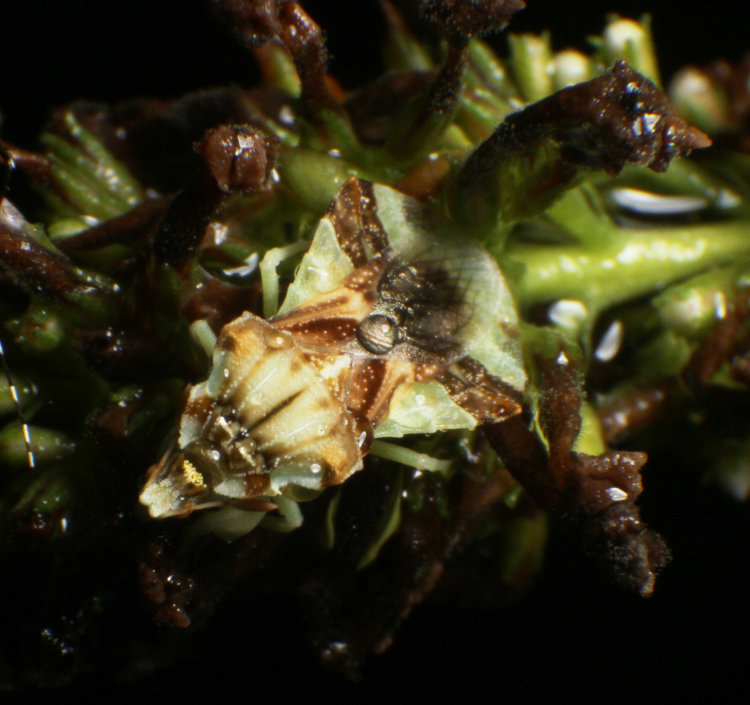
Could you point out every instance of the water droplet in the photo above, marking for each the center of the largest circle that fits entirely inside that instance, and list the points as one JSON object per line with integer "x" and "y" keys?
{"x": 286, "y": 116}
{"x": 616, "y": 494}
{"x": 276, "y": 341}
{"x": 720, "y": 305}
{"x": 611, "y": 342}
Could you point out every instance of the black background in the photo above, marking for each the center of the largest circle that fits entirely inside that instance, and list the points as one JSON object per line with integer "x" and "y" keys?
{"x": 572, "y": 634}
{"x": 54, "y": 52}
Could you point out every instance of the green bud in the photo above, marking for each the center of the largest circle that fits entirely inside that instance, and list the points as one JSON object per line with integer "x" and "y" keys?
{"x": 590, "y": 439}
{"x": 40, "y": 329}
{"x": 65, "y": 228}
{"x": 571, "y": 67}
{"x": 112, "y": 175}
{"x": 23, "y": 389}
{"x": 391, "y": 523}
{"x": 76, "y": 177}
{"x": 50, "y": 492}
{"x": 730, "y": 461}
{"x": 46, "y": 445}
{"x": 632, "y": 41}
{"x": 699, "y": 100}
{"x": 278, "y": 68}
{"x": 524, "y": 539}
{"x": 691, "y": 308}
{"x": 665, "y": 355}
{"x": 485, "y": 69}
{"x": 402, "y": 50}
{"x": 314, "y": 177}
{"x": 533, "y": 68}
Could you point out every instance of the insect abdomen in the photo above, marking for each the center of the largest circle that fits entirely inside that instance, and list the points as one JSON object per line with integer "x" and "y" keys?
{"x": 264, "y": 423}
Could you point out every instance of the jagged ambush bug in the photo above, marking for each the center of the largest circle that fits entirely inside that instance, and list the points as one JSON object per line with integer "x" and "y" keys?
{"x": 394, "y": 325}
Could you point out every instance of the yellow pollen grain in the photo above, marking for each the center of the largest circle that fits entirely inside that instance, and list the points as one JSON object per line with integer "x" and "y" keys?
{"x": 192, "y": 475}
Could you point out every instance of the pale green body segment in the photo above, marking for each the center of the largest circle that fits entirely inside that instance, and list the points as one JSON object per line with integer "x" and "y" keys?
{"x": 426, "y": 408}
{"x": 322, "y": 269}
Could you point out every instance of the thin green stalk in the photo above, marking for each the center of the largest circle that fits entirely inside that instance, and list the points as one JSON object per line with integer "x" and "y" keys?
{"x": 639, "y": 262}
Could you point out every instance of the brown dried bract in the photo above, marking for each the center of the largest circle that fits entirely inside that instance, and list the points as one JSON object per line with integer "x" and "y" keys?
{"x": 604, "y": 489}
{"x": 626, "y": 413}
{"x": 409, "y": 565}
{"x": 725, "y": 349}
{"x": 735, "y": 79}
{"x": 304, "y": 39}
{"x": 471, "y": 17}
{"x": 165, "y": 587}
{"x": 371, "y": 109}
{"x": 631, "y": 116}
{"x": 253, "y": 21}
{"x": 593, "y": 496}
{"x": 723, "y": 89}
{"x": 258, "y": 21}
{"x": 35, "y": 267}
{"x": 604, "y": 123}
{"x": 237, "y": 159}
{"x": 721, "y": 346}
{"x": 132, "y": 226}
{"x": 155, "y": 138}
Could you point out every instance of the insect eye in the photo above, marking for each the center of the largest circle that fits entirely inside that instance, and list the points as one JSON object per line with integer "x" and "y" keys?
{"x": 378, "y": 333}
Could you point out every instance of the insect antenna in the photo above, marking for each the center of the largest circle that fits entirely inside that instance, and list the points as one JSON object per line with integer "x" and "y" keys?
{"x": 6, "y": 166}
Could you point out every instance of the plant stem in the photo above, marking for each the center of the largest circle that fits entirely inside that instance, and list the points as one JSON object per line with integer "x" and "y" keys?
{"x": 643, "y": 261}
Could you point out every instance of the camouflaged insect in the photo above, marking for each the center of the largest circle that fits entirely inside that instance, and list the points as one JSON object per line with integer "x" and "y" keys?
{"x": 396, "y": 323}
